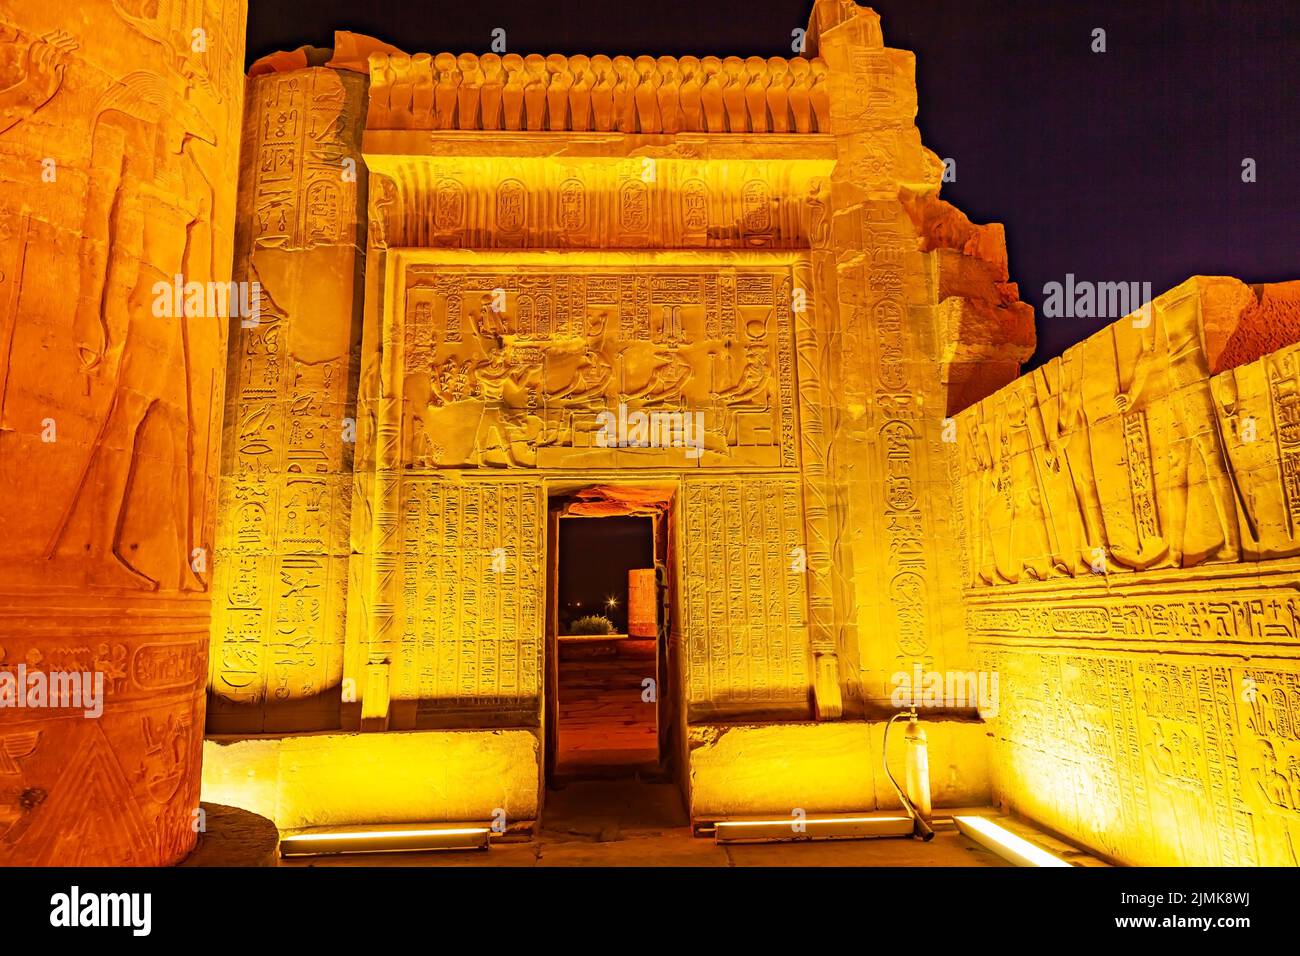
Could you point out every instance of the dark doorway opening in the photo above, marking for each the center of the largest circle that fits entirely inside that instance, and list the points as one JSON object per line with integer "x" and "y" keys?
{"x": 607, "y": 644}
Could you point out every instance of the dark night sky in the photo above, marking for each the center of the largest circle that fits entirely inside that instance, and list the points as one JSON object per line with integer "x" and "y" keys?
{"x": 595, "y": 556}
{"x": 1122, "y": 166}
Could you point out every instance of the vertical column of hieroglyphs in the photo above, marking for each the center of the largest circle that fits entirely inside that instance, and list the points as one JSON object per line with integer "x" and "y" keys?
{"x": 882, "y": 261}
{"x": 282, "y": 542}
{"x": 119, "y": 126}
{"x": 890, "y": 395}
{"x": 1132, "y": 559}
{"x": 747, "y": 631}
{"x": 469, "y": 648}
{"x": 831, "y": 602}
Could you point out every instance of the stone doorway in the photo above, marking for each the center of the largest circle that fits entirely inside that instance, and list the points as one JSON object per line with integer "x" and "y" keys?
{"x": 609, "y": 689}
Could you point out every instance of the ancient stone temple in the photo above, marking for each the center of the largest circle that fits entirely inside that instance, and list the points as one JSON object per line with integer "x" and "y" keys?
{"x": 478, "y": 296}
{"x": 537, "y": 245}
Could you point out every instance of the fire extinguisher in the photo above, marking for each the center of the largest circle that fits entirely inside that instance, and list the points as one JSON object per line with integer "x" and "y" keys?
{"x": 916, "y": 801}
{"x": 917, "y": 764}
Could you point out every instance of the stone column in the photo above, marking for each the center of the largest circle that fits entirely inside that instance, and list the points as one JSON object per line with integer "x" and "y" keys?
{"x": 916, "y": 297}
{"x": 286, "y": 469}
{"x": 119, "y": 142}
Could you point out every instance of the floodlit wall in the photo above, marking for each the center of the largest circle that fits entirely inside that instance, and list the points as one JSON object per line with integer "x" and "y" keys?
{"x": 798, "y": 290}
{"x": 284, "y": 512}
{"x": 1130, "y": 560}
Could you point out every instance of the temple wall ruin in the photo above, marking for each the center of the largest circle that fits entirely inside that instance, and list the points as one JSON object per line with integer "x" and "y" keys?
{"x": 759, "y": 242}
{"x": 1130, "y": 572}
{"x": 921, "y": 296}
{"x": 282, "y": 546}
{"x": 119, "y": 134}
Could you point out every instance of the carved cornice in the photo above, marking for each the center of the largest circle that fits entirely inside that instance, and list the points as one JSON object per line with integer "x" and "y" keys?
{"x": 598, "y": 93}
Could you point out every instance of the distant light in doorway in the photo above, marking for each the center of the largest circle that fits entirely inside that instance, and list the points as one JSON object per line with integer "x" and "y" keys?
{"x": 611, "y": 602}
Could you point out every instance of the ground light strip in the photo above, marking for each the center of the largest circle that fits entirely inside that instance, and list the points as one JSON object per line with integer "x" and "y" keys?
{"x": 1005, "y": 843}
{"x": 388, "y": 839}
{"x": 814, "y": 828}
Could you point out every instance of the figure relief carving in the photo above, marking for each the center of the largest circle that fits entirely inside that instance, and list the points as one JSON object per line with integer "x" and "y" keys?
{"x": 545, "y": 353}
{"x": 1128, "y": 454}
{"x": 131, "y": 149}
{"x": 31, "y": 71}
{"x": 153, "y": 200}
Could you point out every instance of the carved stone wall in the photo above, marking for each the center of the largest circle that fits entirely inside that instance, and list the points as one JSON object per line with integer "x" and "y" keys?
{"x": 813, "y": 300}
{"x": 1130, "y": 564}
{"x": 745, "y": 611}
{"x": 524, "y": 385}
{"x": 280, "y": 603}
{"x": 912, "y": 294}
{"x": 119, "y": 127}
{"x": 757, "y": 243}
{"x": 692, "y": 193}
{"x": 466, "y": 648}
{"x": 598, "y": 93}
{"x": 504, "y": 362}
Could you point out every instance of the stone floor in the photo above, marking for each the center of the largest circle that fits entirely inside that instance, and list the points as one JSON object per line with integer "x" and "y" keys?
{"x": 603, "y": 719}
{"x": 629, "y": 823}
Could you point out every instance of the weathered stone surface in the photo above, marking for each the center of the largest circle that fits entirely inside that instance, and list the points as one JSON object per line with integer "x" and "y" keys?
{"x": 119, "y": 141}
{"x": 1130, "y": 562}
{"x": 835, "y": 767}
{"x": 803, "y": 292}
{"x": 336, "y": 779}
{"x": 724, "y": 291}
{"x": 234, "y": 837}
{"x": 282, "y": 549}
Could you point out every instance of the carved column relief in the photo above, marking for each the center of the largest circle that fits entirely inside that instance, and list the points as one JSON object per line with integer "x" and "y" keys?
{"x": 830, "y": 599}
{"x": 118, "y": 158}
{"x": 890, "y": 399}
{"x": 281, "y": 575}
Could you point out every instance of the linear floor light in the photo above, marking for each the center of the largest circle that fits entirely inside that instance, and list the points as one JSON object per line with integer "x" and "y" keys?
{"x": 812, "y": 828}
{"x": 1004, "y": 843}
{"x": 388, "y": 838}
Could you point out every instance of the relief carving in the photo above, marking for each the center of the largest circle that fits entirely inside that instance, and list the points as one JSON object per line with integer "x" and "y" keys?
{"x": 514, "y": 368}
{"x": 577, "y": 93}
{"x": 1127, "y": 454}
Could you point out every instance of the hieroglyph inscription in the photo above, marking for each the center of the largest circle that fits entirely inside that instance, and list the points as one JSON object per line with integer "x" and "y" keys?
{"x": 746, "y": 597}
{"x": 471, "y": 575}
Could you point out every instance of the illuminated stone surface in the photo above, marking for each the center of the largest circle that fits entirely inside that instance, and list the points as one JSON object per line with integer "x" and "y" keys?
{"x": 1131, "y": 558}
{"x": 738, "y": 770}
{"x": 759, "y": 242}
{"x": 119, "y": 128}
{"x": 463, "y": 264}
{"x": 280, "y": 595}
{"x": 326, "y": 779}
